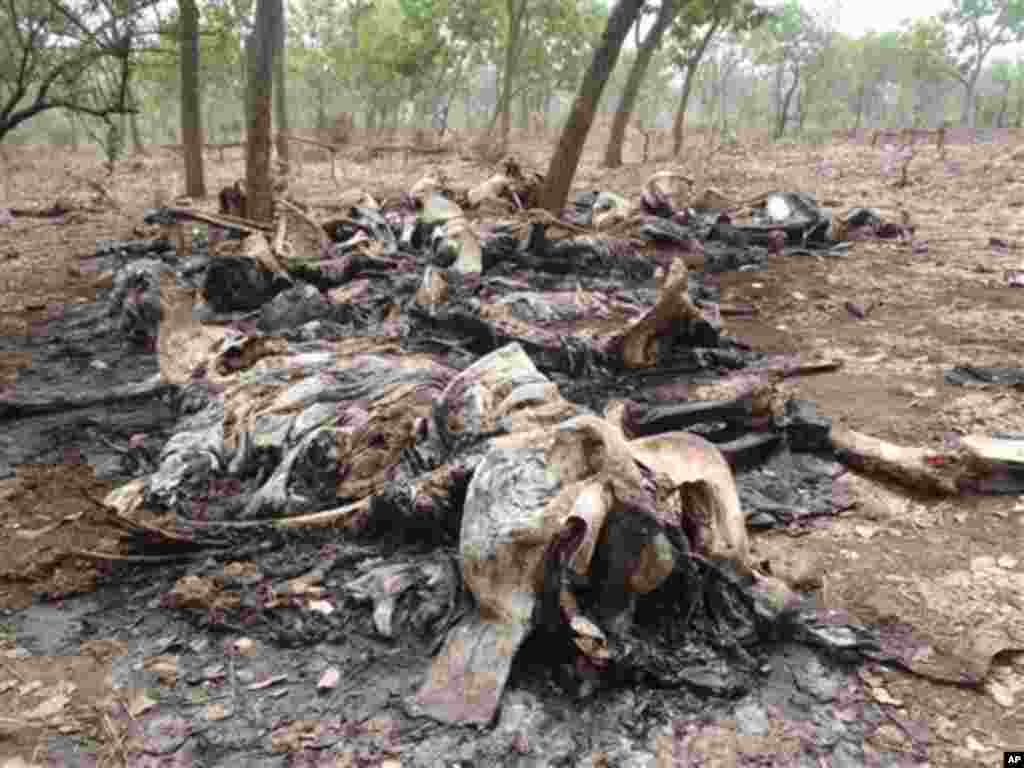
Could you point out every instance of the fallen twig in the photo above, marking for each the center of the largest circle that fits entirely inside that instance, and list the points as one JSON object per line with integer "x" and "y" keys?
{"x": 20, "y": 407}
{"x": 142, "y": 559}
{"x": 339, "y": 516}
{"x": 222, "y": 220}
{"x": 325, "y": 241}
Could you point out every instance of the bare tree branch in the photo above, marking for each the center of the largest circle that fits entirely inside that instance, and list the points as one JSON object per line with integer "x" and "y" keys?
{"x": 62, "y": 57}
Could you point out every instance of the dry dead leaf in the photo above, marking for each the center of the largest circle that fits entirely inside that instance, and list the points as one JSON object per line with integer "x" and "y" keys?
{"x": 18, "y": 762}
{"x": 329, "y": 679}
{"x": 31, "y": 687}
{"x": 866, "y": 531}
{"x": 215, "y": 712}
{"x": 882, "y": 696}
{"x": 48, "y": 708}
{"x": 261, "y": 684}
{"x": 140, "y": 703}
{"x": 321, "y": 606}
{"x": 1002, "y": 695}
{"x": 165, "y": 667}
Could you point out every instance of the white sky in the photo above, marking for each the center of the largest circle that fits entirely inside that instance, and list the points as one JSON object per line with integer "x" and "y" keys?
{"x": 855, "y": 17}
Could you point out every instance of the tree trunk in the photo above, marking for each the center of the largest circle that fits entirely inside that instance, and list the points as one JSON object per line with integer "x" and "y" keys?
{"x": 613, "y": 153}
{"x": 281, "y": 89}
{"x": 679, "y": 123}
{"x": 566, "y": 157}
{"x": 1004, "y": 105}
{"x": 246, "y": 90}
{"x": 967, "y": 112}
{"x": 75, "y": 141}
{"x": 321, "y": 105}
{"x": 1019, "y": 123}
{"x": 548, "y": 105}
{"x": 258, "y": 182}
{"x": 191, "y": 112}
{"x": 801, "y": 110}
{"x": 780, "y": 127}
{"x": 691, "y": 71}
{"x": 860, "y": 107}
{"x": 723, "y": 99}
{"x": 133, "y": 120}
{"x": 524, "y": 113}
{"x": 780, "y": 76}
{"x": 516, "y": 12}
{"x": 138, "y": 145}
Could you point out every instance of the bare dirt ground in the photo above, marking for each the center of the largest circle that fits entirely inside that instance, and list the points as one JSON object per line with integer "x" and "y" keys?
{"x": 954, "y": 569}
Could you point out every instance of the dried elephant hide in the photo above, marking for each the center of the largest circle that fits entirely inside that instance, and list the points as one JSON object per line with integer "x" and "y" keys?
{"x": 540, "y": 503}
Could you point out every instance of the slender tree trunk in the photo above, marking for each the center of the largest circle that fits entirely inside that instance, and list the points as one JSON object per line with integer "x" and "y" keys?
{"x": 467, "y": 108}
{"x": 679, "y": 123}
{"x": 780, "y": 74}
{"x": 968, "y": 111}
{"x": 191, "y": 111}
{"x": 651, "y": 42}
{"x": 569, "y": 149}
{"x": 137, "y": 144}
{"x": 258, "y": 182}
{"x": 212, "y": 134}
{"x": 1004, "y": 105}
{"x": 524, "y": 112}
{"x": 780, "y": 127}
{"x": 723, "y": 101}
{"x": 516, "y": 13}
{"x": 548, "y": 105}
{"x": 133, "y": 123}
{"x": 860, "y": 107}
{"x": 281, "y": 90}
{"x": 246, "y": 90}
{"x": 74, "y": 132}
{"x": 1019, "y": 123}
{"x": 320, "y": 89}
{"x": 801, "y": 110}
{"x": 692, "y": 64}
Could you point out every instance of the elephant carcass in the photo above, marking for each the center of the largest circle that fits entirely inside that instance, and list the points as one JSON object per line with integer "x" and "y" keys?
{"x": 543, "y": 497}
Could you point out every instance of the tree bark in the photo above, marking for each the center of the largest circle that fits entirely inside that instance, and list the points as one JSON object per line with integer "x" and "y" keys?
{"x": 968, "y": 110}
{"x": 569, "y": 149}
{"x": 679, "y": 123}
{"x": 691, "y": 71}
{"x": 1004, "y": 105}
{"x": 191, "y": 112}
{"x": 860, "y": 107}
{"x": 524, "y": 112}
{"x": 280, "y": 90}
{"x": 258, "y": 182}
{"x": 73, "y": 121}
{"x": 613, "y": 153}
{"x": 133, "y": 122}
{"x": 321, "y": 104}
{"x": 137, "y": 144}
{"x": 1019, "y": 123}
{"x": 780, "y": 127}
{"x": 516, "y": 14}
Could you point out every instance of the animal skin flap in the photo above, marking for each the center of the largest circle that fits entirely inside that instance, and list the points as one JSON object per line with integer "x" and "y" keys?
{"x": 468, "y": 676}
